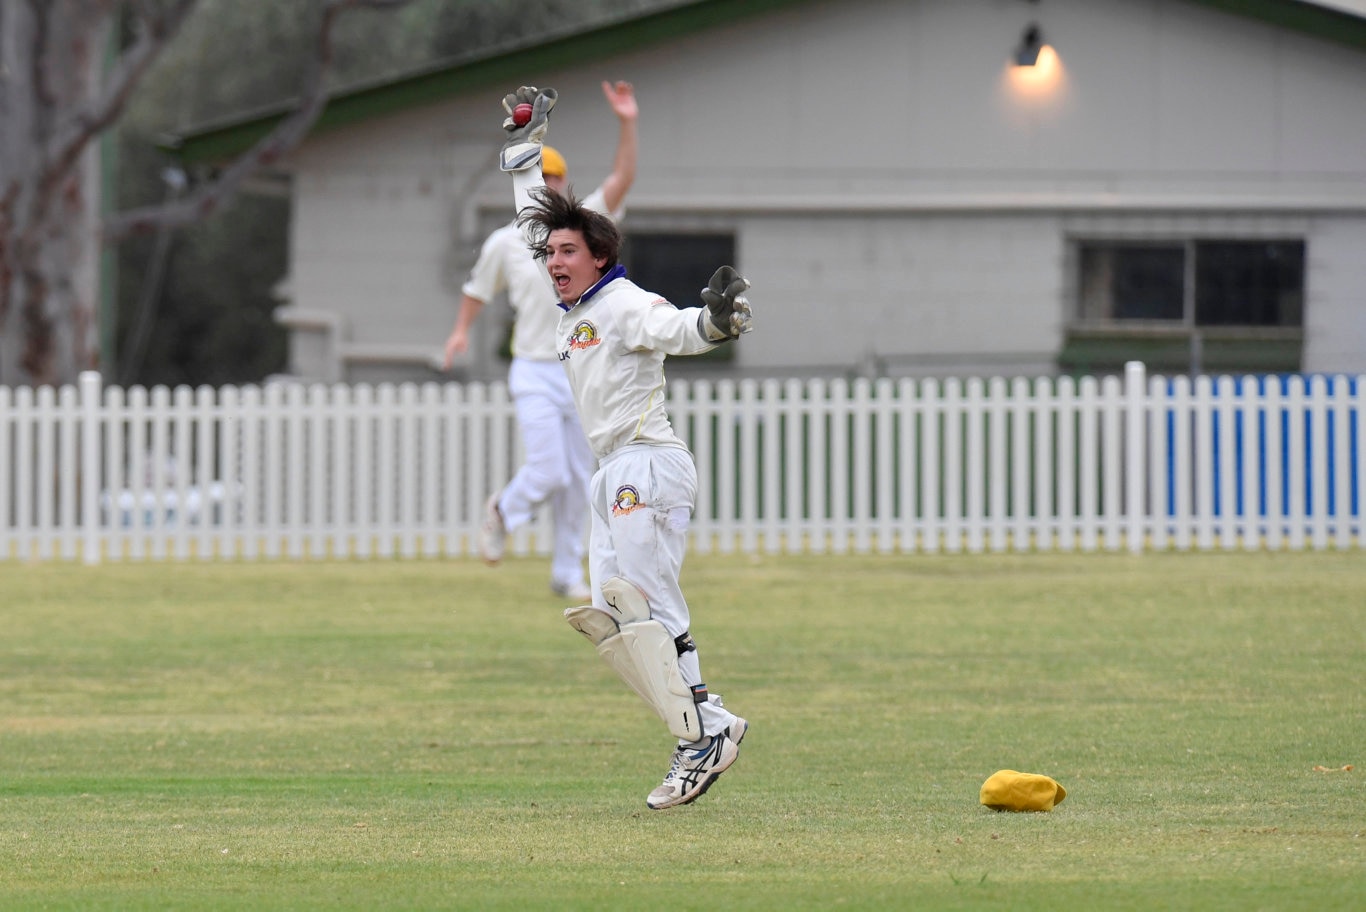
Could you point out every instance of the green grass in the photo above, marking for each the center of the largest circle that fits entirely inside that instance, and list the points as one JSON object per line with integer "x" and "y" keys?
{"x": 410, "y": 735}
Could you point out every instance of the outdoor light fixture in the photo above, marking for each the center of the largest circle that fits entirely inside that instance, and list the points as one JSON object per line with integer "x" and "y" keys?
{"x": 1034, "y": 74}
{"x": 1031, "y": 42}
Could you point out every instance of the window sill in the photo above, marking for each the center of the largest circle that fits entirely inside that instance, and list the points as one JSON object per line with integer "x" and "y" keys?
{"x": 1168, "y": 348}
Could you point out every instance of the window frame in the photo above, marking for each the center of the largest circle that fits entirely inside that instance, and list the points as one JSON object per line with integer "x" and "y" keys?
{"x": 680, "y": 297}
{"x": 1105, "y": 344}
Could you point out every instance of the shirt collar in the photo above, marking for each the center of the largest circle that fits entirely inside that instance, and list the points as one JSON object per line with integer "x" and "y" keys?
{"x": 616, "y": 272}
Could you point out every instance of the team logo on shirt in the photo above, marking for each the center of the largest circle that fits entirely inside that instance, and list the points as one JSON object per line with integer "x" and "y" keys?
{"x": 627, "y": 499}
{"x": 585, "y": 335}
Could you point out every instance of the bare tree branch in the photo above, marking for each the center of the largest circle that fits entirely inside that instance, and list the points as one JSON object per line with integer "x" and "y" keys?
{"x": 58, "y": 163}
{"x": 282, "y": 140}
{"x": 62, "y": 105}
{"x": 154, "y": 33}
{"x": 41, "y": 90}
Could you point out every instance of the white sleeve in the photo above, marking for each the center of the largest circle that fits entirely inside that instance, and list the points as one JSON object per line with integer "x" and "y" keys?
{"x": 487, "y": 276}
{"x": 597, "y": 201}
{"x": 664, "y": 328}
{"x": 523, "y": 182}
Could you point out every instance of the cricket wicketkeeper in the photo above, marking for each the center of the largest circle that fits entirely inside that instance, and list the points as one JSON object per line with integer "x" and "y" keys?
{"x": 613, "y": 337}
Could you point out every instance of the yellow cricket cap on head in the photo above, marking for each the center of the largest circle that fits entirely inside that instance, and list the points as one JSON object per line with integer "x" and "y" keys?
{"x": 552, "y": 163}
{"x": 1007, "y": 790}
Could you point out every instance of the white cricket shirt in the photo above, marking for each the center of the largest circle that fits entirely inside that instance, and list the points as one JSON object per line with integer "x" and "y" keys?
{"x": 612, "y": 344}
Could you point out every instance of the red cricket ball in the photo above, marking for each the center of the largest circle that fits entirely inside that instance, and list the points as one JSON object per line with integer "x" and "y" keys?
{"x": 521, "y": 115}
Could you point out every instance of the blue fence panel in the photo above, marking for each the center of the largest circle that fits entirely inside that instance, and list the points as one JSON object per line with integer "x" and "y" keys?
{"x": 1258, "y": 436}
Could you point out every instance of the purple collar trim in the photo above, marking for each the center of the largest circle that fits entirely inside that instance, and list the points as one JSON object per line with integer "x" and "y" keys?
{"x": 616, "y": 272}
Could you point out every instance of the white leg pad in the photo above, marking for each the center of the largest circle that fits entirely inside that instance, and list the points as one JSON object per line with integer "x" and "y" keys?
{"x": 605, "y": 636}
{"x": 625, "y": 601}
{"x": 592, "y": 623}
{"x": 652, "y": 670}
{"x": 641, "y": 651}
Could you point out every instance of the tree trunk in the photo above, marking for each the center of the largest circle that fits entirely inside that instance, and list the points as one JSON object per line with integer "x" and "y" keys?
{"x": 57, "y": 98}
{"x": 50, "y": 54}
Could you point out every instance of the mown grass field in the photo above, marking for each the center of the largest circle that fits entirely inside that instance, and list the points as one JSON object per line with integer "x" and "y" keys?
{"x": 424, "y": 735}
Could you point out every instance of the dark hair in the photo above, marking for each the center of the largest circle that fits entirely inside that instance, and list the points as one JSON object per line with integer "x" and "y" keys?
{"x": 561, "y": 211}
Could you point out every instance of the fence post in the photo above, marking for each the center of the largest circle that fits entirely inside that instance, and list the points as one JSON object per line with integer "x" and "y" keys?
{"x": 90, "y": 387}
{"x": 1135, "y": 384}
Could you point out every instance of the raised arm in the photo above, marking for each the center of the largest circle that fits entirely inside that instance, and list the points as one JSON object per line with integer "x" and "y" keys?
{"x": 621, "y": 96}
{"x": 521, "y": 153}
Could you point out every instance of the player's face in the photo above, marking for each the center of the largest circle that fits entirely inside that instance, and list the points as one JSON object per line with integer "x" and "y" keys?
{"x": 573, "y": 269}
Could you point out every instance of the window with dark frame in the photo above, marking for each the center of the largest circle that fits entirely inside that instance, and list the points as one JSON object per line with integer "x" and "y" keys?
{"x": 1249, "y": 283}
{"x": 1131, "y": 282}
{"x": 1232, "y": 283}
{"x": 677, "y": 267}
{"x": 1187, "y": 304}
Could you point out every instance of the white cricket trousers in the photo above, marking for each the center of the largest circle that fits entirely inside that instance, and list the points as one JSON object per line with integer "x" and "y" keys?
{"x": 642, "y": 502}
{"x": 559, "y": 463}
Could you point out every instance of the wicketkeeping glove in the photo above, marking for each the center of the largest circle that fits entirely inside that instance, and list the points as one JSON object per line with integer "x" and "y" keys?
{"x": 522, "y": 149}
{"x": 727, "y": 313}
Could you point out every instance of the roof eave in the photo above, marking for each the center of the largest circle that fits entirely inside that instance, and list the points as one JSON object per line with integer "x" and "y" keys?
{"x": 1300, "y": 16}
{"x": 503, "y": 69}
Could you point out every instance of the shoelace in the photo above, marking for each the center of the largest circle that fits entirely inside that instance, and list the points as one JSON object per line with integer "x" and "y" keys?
{"x": 681, "y": 756}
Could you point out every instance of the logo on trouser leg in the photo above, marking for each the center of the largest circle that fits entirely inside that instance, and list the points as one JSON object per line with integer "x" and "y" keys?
{"x": 627, "y": 499}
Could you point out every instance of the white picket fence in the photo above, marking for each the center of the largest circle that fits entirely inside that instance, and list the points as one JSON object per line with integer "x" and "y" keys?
{"x": 291, "y": 471}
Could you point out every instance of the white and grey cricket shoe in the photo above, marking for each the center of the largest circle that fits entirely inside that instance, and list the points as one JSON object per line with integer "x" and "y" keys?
{"x": 694, "y": 769}
{"x": 493, "y": 534}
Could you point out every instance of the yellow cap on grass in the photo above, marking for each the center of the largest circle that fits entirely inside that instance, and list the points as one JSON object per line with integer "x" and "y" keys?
{"x": 1008, "y": 790}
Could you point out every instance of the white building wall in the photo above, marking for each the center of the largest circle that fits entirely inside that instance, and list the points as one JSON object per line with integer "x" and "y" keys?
{"x": 925, "y": 294}
{"x": 371, "y": 243}
{"x": 1335, "y": 307}
{"x": 870, "y": 153}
